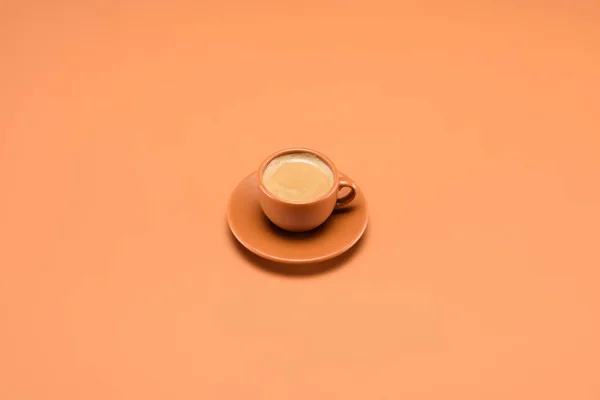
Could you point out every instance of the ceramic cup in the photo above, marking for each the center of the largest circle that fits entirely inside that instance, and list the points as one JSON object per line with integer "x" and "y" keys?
{"x": 304, "y": 216}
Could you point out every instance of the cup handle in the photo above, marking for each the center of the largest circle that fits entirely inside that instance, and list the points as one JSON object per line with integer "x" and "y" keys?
{"x": 349, "y": 183}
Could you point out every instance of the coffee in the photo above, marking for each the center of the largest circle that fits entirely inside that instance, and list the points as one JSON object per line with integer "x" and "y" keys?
{"x": 298, "y": 177}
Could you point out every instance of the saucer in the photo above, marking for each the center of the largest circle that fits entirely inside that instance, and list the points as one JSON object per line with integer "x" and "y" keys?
{"x": 256, "y": 233}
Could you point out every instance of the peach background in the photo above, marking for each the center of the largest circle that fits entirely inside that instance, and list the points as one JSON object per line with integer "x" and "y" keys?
{"x": 471, "y": 126}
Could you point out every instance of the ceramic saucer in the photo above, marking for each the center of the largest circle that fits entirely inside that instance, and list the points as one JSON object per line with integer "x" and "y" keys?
{"x": 255, "y": 232}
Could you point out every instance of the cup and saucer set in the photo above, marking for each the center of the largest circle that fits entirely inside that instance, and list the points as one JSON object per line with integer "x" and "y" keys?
{"x": 291, "y": 209}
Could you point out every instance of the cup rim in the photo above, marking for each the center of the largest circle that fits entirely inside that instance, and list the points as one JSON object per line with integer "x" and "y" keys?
{"x": 293, "y": 150}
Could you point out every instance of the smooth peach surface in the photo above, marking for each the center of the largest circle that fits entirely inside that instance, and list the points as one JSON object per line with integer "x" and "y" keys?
{"x": 472, "y": 128}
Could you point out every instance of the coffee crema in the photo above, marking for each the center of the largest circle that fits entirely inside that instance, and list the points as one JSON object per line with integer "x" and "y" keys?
{"x": 298, "y": 177}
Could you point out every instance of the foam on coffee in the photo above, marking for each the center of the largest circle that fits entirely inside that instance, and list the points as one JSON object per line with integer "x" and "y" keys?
{"x": 298, "y": 177}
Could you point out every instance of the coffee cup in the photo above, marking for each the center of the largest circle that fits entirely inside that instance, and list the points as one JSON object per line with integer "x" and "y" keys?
{"x": 298, "y": 189}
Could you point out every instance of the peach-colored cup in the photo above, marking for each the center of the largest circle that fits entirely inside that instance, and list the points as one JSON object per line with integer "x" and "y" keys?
{"x": 304, "y": 216}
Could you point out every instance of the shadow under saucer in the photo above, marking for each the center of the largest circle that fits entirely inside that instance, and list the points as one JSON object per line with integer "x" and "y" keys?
{"x": 297, "y": 270}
